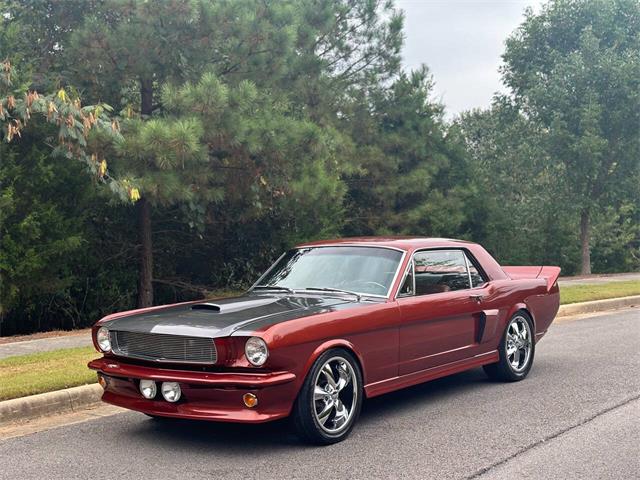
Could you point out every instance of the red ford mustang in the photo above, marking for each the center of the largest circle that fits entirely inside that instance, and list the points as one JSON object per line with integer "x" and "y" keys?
{"x": 329, "y": 324}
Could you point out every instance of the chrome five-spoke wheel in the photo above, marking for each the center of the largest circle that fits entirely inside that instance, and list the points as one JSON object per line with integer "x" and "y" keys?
{"x": 518, "y": 343}
{"x": 516, "y": 350}
{"x": 335, "y": 395}
{"x": 330, "y": 399}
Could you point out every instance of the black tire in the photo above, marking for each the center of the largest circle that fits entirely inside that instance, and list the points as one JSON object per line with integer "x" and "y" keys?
{"x": 503, "y": 370}
{"x": 305, "y": 416}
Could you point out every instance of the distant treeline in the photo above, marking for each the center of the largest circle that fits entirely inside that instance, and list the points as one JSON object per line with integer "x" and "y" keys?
{"x": 156, "y": 151}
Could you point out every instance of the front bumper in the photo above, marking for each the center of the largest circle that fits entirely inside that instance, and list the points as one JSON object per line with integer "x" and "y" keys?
{"x": 205, "y": 395}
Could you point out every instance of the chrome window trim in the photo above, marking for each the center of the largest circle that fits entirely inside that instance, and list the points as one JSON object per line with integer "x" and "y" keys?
{"x": 471, "y": 260}
{"x": 389, "y": 290}
{"x": 466, "y": 262}
{"x": 436, "y": 249}
{"x": 257, "y": 282}
{"x": 411, "y": 266}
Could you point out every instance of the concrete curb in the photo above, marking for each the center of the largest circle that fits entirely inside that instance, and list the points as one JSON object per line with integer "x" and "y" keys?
{"x": 60, "y": 401}
{"x": 598, "y": 305}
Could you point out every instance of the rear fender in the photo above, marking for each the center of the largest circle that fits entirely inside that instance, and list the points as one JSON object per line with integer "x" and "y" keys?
{"x": 550, "y": 274}
{"x": 515, "y": 308}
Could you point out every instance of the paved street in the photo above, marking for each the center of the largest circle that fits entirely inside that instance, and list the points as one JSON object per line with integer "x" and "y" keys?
{"x": 591, "y": 279}
{"x": 44, "y": 345}
{"x": 575, "y": 416}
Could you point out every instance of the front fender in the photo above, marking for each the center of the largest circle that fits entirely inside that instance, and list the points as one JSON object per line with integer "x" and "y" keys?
{"x": 327, "y": 345}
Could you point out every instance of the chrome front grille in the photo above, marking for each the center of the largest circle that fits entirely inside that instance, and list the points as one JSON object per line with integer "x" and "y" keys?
{"x": 163, "y": 348}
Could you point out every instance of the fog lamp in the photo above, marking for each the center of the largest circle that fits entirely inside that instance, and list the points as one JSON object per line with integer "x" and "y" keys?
{"x": 250, "y": 400}
{"x": 171, "y": 391}
{"x": 148, "y": 389}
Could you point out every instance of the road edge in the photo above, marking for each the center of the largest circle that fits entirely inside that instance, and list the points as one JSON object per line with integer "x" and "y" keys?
{"x": 598, "y": 306}
{"x": 50, "y": 403}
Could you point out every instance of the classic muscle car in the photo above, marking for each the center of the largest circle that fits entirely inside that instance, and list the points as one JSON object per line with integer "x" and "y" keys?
{"x": 329, "y": 324}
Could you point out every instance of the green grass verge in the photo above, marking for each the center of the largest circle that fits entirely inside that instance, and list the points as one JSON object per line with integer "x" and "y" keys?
{"x": 598, "y": 291}
{"x": 45, "y": 372}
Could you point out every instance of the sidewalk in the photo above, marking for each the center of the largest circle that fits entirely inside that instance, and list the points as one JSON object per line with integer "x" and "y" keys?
{"x": 599, "y": 278}
{"x": 44, "y": 345}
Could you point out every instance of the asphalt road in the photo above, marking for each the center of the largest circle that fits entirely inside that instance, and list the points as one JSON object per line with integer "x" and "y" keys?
{"x": 577, "y": 415}
{"x": 605, "y": 278}
{"x": 28, "y": 347}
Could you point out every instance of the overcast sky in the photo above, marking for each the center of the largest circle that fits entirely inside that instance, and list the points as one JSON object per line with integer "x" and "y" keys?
{"x": 461, "y": 42}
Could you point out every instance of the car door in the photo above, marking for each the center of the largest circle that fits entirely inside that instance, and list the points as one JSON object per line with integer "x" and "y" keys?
{"x": 440, "y": 310}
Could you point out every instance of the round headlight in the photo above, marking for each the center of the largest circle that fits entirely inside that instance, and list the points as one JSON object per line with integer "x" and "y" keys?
{"x": 148, "y": 389}
{"x": 102, "y": 337}
{"x": 256, "y": 351}
{"x": 171, "y": 391}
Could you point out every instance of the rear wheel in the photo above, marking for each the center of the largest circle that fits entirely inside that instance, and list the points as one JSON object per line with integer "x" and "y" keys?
{"x": 330, "y": 399}
{"x": 516, "y": 350}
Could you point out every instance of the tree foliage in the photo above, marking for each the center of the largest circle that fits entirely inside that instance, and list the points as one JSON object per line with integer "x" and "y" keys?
{"x": 574, "y": 68}
{"x": 155, "y": 151}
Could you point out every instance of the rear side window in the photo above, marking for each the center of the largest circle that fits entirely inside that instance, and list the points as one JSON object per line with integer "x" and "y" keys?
{"x": 477, "y": 279}
{"x": 439, "y": 271}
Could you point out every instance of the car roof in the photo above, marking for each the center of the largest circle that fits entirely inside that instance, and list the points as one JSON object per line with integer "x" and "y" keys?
{"x": 402, "y": 243}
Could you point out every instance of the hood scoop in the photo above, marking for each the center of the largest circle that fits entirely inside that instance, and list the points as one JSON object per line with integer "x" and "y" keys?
{"x": 231, "y": 305}
{"x": 211, "y": 307}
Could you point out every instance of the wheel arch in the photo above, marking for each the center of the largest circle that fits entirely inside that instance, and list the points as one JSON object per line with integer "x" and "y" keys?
{"x": 520, "y": 307}
{"x": 328, "y": 345}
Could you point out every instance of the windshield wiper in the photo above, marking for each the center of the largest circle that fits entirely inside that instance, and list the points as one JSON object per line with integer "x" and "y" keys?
{"x": 274, "y": 287}
{"x": 337, "y": 290}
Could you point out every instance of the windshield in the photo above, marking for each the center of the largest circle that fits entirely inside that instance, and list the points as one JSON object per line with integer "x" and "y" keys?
{"x": 363, "y": 270}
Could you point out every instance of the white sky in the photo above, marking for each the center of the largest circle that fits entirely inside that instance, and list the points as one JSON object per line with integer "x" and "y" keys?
{"x": 461, "y": 42}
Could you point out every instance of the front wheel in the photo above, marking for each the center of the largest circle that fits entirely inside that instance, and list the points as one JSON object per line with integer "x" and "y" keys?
{"x": 516, "y": 350}
{"x": 330, "y": 399}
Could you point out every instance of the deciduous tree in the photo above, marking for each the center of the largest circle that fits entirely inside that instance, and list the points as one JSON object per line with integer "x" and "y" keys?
{"x": 575, "y": 68}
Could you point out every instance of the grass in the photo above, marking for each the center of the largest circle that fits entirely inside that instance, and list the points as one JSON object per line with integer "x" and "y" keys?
{"x": 45, "y": 372}
{"x": 598, "y": 291}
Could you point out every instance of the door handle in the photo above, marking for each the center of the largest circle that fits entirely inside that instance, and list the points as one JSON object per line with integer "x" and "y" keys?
{"x": 478, "y": 298}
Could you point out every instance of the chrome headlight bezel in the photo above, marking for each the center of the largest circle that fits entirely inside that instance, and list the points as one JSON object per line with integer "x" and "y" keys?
{"x": 256, "y": 351}
{"x": 103, "y": 339}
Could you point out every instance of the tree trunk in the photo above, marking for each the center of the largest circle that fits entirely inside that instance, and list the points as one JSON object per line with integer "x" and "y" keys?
{"x": 146, "y": 96}
{"x": 585, "y": 237}
{"x": 145, "y": 274}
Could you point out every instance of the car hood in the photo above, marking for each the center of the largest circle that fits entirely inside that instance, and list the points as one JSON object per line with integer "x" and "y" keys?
{"x": 223, "y": 317}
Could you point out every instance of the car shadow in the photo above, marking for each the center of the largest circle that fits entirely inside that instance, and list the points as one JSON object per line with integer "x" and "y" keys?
{"x": 188, "y": 435}
{"x": 434, "y": 392}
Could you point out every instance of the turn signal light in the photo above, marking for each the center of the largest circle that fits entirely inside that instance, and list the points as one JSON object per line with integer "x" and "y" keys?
{"x": 250, "y": 400}
{"x": 102, "y": 381}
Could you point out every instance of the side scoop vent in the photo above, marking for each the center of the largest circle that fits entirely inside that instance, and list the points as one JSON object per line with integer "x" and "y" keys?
{"x": 211, "y": 307}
